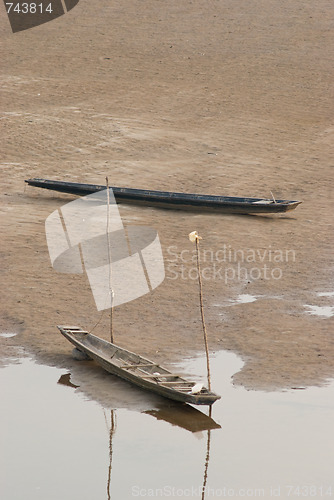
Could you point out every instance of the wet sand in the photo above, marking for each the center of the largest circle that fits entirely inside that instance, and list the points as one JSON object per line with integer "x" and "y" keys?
{"x": 225, "y": 98}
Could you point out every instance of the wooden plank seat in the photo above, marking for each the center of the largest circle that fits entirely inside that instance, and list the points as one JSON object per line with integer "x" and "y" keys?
{"x": 142, "y": 365}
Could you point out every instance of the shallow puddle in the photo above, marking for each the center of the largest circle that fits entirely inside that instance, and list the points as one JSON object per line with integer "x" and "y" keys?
{"x": 58, "y": 443}
{"x": 326, "y": 310}
{"x": 323, "y": 311}
{"x": 245, "y": 298}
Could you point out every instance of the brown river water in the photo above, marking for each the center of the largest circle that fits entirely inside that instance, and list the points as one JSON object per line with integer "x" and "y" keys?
{"x": 58, "y": 441}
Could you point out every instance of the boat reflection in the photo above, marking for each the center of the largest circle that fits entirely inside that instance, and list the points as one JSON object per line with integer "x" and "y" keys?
{"x": 184, "y": 416}
{"x": 181, "y": 415}
{"x": 207, "y": 422}
{"x": 177, "y": 414}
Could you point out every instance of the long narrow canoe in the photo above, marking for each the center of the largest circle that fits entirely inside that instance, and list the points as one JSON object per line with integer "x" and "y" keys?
{"x": 138, "y": 370}
{"x": 166, "y": 199}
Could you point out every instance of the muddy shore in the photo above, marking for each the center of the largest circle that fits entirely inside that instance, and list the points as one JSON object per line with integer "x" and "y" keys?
{"x": 232, "y": 98}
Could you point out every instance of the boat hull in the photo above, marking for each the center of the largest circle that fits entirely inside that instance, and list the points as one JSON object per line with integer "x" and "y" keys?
{"x": 166, "y": 199}
{"x": 111, "y": 357}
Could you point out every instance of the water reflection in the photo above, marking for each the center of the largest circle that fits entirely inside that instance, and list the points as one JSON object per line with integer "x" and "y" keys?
{"x": 180, "y": 415}
{"x": 210, "y": 425}
{"x": 184, "y": 416}
{"x": 111, "y": 431}
{"x": 207, "y": 458}
{"x": 267, "y": 440}
{"x": 66, "y": 380}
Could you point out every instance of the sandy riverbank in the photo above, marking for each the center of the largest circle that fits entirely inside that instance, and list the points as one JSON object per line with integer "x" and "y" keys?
{"x": 230, "y": 98}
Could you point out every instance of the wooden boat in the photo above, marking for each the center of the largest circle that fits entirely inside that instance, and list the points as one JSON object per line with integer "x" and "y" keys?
{"x": 136, "y": 369}
{"x": 166, "y": 199}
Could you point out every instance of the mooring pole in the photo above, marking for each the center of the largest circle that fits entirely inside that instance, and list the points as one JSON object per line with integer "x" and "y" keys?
{"x": 109, "y": 259}
{"x": 194, "y": 237}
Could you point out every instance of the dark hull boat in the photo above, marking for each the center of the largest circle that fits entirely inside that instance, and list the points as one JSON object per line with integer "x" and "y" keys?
{"x": 138, "y": 370}
{"x": 225, "y": 204}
